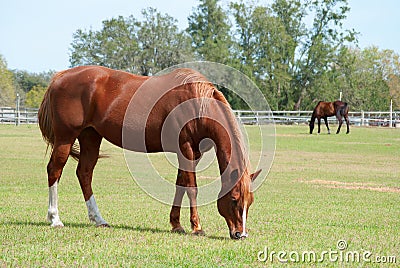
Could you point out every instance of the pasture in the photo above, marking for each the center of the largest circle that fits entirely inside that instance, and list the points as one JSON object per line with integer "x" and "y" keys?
{"x": 321, "y": 189}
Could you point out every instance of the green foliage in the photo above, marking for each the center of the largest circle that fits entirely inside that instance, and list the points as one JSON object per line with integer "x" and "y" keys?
{"x": 26, "y": 81}
{"x": 127, "y": 44}
{"x": 209, "y": 30}
{"x": 296, "y": 51}
{"x": 34, "y": 97}
{"x": 161, "y": 43}
{"x": 7, "y": 91}
{"x": 369, "y": 78}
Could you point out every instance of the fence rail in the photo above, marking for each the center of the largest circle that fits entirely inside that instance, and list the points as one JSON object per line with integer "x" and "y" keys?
{"x": 361, "y": 118}
{"x": 29, "y": 116}
{"x": 18, "y": 116}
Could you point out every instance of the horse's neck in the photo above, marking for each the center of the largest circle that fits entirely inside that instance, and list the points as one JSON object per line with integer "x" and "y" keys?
{"x": 231, "y": 152}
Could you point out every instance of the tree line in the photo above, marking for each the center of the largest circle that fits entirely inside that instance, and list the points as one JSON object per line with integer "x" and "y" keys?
{"x": 296, "y": 51}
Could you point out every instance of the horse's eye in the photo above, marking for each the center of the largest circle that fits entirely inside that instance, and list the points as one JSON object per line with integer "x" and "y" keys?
{"x": 234, "y": 202}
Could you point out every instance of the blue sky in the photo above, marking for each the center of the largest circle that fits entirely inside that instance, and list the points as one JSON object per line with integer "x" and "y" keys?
{"x": 36, "y": 35}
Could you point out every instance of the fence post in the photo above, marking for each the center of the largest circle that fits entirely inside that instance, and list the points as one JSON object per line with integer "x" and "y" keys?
{"x": 362, "y": 118}
{"x": 18, "y": 112}
{"x": 391, "y": 113}
{"x": 257, "y": 119}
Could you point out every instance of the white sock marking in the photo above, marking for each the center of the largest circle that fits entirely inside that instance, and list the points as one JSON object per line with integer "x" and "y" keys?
{"x": 244, "y": 218}
{"x": 94, "y": 212}
{"x": 52, "y": 212}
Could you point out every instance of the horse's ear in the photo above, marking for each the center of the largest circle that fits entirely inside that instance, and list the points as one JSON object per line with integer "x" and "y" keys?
{"x": 255, "y": 174}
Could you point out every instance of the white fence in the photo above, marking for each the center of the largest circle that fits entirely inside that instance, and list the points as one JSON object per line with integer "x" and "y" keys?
{"x": 29, "y": 116}
{"x": 303, "y": 117}
{"x": 18, "y": 116}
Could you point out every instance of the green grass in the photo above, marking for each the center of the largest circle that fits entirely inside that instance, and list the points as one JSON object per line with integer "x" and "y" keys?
{"x": 321, "y": 189}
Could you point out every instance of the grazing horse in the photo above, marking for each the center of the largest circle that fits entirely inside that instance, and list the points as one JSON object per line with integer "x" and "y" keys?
{"x": 89, "y": 103}
{"x": 326, "y": 109}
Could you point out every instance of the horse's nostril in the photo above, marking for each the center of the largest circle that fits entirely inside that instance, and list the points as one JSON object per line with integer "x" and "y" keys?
{"x": 238, "y": 235}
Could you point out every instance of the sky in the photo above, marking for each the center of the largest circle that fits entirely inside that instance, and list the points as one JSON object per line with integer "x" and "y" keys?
{"x": 36, "y": 35}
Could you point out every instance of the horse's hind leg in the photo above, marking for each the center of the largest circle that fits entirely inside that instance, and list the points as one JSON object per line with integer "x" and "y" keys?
{"x": 347, "y": 123}
{"x": 89, "y": 141}
{"x": 339, "y": 118}
{"x": 58, "y": 158}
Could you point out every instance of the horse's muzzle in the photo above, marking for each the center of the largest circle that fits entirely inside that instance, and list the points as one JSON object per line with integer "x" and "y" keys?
{"x": 239, "y": 235}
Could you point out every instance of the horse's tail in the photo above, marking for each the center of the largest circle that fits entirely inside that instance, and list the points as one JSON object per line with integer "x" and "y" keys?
{"x": 45, "y": 118}
{"x": 344, "y": 110}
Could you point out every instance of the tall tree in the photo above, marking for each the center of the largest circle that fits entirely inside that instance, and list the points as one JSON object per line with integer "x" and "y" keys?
{"x": 34, "y": 97}
{"x": 114, "y": 46}
{"x": 7, "y": 91}
{"x": 320, "y": 43}
{"x": 209, "y": 30}
{"x": 161, "y": 43}
{"x": 263, "y": 49}
{"x": 128, "y": 44}
{"x": 370, "y": 78}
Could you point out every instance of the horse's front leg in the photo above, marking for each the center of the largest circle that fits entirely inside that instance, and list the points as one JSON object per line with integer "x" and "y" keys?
{"x": 186, "y": 182}
{"x": 326, "y": 123}
{"x": 194, "y": 216}
{"x": 319, "y": 124}
{"x": 174, "y": 217}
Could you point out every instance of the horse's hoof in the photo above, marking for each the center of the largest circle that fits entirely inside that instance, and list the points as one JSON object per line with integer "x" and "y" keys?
{"x": 199, "y": 233}
{"x": 178, "y": 230}
{"x": 104, "y": 225}
{"x": 58, "y": 225}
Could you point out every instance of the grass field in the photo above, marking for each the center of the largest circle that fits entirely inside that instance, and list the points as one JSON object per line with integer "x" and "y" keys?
{"x": 321, "y": 189}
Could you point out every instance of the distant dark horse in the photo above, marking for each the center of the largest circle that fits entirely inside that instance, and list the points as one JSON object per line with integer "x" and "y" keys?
{"x": 326, "y": 109}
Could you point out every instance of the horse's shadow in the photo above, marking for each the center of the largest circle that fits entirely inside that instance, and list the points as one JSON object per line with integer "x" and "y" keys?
{"x": 119, "y": 226}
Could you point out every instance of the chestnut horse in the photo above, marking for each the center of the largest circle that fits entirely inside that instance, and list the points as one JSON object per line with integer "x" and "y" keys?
{"x": 326, "y": 109}
{"x": 89, "y": 103}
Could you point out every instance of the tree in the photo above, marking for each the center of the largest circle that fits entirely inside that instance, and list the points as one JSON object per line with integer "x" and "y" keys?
{"x": 161, "y": 43}
{"x": 287, "y": 57}
{"x": 321, "y": 44}
{"x": 127, "y": 44}
{"x": 114, "y": 46}
{"x": 262, "y": 50}
{"x": 370, "y": 78}
{"x": 7, "y": 91}
{"x": 210, "y": 32}
{"x": 25, "y": 81}
{"x": 34, "y": 97}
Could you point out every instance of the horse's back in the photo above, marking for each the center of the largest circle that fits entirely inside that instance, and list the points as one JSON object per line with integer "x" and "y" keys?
{"x": 90, "y": 96}
{"x": 101, "y": 98}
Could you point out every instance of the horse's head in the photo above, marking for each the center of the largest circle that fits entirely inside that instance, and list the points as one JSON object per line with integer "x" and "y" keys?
{"x": 234, "y": 205}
